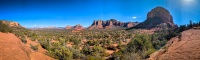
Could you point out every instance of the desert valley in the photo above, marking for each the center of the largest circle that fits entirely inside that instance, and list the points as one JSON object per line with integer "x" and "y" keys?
{"x": 156, "y": 38}
{"x": 99, "y": 30}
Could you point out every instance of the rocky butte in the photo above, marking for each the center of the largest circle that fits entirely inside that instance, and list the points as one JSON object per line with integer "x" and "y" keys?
{"x": 111, "y": 24}
{"x": 76, "y": 28}
{"x": 158, "y": 17}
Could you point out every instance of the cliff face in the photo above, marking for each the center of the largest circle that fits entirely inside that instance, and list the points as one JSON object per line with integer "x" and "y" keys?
{"x": 158, "y": 17}
{"x": 112, "y": 23}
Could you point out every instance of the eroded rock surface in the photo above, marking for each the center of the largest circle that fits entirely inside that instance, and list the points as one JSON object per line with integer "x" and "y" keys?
{"x": 183, "y": 47}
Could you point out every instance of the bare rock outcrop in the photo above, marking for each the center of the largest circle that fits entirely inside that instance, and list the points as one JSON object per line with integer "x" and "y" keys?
{"x": 11, "y": 24}
{"x": 11, "y": 48}
{"x": 112, "y": 23}
{"x": 76, "y": 28}
{"x": 158, "y": 17}
{"x": 183, "y": 47}
{"x": 68, "y": 27}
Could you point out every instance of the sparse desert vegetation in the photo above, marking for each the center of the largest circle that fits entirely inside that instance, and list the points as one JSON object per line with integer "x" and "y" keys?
{"x": 121, "y": 31}
{"x": 99, "y": 44}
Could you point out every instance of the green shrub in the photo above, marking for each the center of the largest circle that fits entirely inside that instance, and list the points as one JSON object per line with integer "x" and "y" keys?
{"x": 94, "y": 58}
{"x": 61, "y": 53}
{"x": 34, "y": 47}
{"x": 141, "y": 42}
{"x": 23, "y": 39}
{"x": 75, "y": 40}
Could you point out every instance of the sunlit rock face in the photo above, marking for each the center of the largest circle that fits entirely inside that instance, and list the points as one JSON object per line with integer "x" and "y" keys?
{"x": 157, "y": 17}
{"x": 11, "y": 24}
{"x": 112, "y": 23}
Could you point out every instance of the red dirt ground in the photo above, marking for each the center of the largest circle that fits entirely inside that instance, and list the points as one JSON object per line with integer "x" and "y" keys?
{"x": 11, "y": 48}
{"x": 183, "y": 47}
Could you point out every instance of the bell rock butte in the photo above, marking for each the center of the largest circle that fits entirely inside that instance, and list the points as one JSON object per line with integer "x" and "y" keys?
{"x": 158, "y": 17}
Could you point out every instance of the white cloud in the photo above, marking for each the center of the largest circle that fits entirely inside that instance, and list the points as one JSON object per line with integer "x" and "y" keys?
{"x": 134, "y": 17}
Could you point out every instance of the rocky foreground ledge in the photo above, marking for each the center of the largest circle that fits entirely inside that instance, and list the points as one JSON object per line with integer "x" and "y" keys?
{"x": 183, "y": 47}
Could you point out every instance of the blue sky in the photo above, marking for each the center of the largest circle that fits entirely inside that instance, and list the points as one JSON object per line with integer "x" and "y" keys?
{"x": 60, "y": 13}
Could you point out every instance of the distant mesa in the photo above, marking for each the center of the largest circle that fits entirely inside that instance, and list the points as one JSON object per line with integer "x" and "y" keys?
{"x": 76, "y": 28}
{"x": 68, "y": 27}
{"x": 110, "y": 24}
{"x": 158, "y": 17}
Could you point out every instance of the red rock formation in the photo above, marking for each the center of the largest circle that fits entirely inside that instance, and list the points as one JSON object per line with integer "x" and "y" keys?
{"x": 158, "y": 17}
{"x": 130, "y": 24}
{"x": 112, "y": 23}
{"x": 76, "y": 28}
{"x": 97, "y": 25}
{"x": 68, "y": 27}
{"x": 11, "y": 24}
{"x": 183, "y": 47}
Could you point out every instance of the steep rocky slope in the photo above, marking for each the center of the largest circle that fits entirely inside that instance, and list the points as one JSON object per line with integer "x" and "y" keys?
{"x": 183, "y": 47}
{"x": 11, "y": 48}
{"x": 112, "y": 23}
{"x": 158, "y": 17}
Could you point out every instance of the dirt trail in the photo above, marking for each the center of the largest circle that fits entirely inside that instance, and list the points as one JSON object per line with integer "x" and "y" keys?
{"x": 184, "y": 47}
